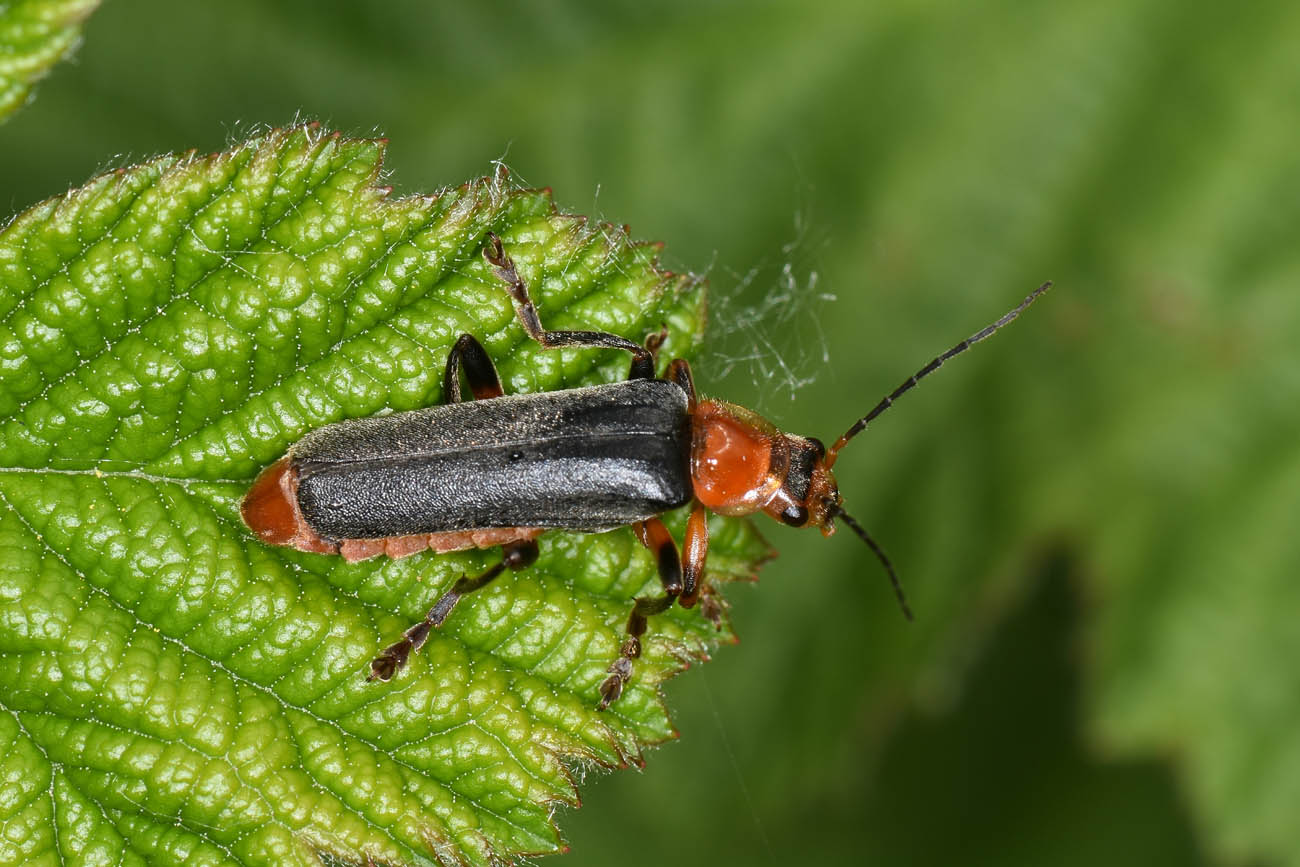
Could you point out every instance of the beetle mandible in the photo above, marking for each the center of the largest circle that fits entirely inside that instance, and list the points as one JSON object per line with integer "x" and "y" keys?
{"x": 500, "y": 470}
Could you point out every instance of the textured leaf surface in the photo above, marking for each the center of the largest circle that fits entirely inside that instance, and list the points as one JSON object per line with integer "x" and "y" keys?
{"x": 34, "y": 35}
{"x": 175, "y": 691}
{"x": 928, "y": 161}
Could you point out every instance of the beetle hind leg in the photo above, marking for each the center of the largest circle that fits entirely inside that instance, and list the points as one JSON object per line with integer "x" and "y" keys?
{"x": 515, "y": 555}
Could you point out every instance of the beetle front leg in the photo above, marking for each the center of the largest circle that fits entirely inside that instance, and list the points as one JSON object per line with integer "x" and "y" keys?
{"x": 695, "y": 546}
{"x": 695, "y": 551}
{"x": 712, "y": 605}
{"x": 515, "y": 555}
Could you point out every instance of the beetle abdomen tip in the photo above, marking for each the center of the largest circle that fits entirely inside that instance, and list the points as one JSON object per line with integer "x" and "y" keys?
{"x": 270, "y": 509}
{"x": 267, "y": 508}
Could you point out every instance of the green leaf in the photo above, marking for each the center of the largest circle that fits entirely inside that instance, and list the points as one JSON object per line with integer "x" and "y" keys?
{"x": 172, "y": 688}
{"x": 34, "y": 35}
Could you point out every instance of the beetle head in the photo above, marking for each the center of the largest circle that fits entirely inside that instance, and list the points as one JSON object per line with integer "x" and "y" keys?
{"x": 741, "y": 464}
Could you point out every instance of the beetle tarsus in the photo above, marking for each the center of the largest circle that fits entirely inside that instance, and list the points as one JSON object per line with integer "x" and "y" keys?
{"x": 621, "y": 669}
{"x": 392, "y": 659}
{"x": 654, "y": 341}
{"x": 443, "y": 607}
{"x": 612, "y": 687}
{"x": 712, "y": 606}
{"x": 389, "y": 661}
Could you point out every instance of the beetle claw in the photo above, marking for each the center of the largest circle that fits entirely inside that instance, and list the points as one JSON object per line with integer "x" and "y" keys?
{"x": 620, "y": 673}
{"x": 610, "y": 690}
{"x": 390, "y": 661}
{"x": 712, "y": 607}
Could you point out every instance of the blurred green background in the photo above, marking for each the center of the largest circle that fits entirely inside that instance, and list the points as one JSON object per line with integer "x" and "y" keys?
{"x": 1095, "y": 513}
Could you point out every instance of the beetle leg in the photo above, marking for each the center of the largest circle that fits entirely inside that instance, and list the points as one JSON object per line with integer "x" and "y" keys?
{"x": 515, "y": 555}
{"x": 695, "y": 546}
{"x": 620, "y": 670}
{"x": 654, "y": 341}
{"x": 480, "y": 372}
{"x": 680, "y": 372}
{"x": 643, "y": 362}
{"x": 654, "y": 535}
{"x": 712, "y": 605}
{"x": 695, "y": 550}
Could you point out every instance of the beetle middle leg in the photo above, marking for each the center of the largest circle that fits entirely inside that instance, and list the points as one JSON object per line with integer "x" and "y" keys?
{"x": 480, "y": 373}
{"x": 643, "y": 359}
{"x": 654, "y": 535}
{"x": 515, "y": 555}
{"x": 484, "y": 384}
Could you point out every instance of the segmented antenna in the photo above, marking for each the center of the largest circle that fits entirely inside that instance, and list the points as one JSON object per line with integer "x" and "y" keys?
{"x": 861, "y": 424}
{"x": 884, "y": 561}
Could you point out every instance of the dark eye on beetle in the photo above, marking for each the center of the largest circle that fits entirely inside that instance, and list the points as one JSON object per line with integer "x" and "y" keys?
{"x": 795, "y": 515}
{"x": 818, "y": 446}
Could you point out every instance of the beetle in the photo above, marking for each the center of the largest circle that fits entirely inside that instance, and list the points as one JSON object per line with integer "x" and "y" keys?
{"x": 498, "y": 471}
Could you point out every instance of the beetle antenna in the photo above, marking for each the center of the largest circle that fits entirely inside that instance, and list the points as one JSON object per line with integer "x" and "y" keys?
{"x": 884, "y": 561}
{"x": 860, "y": 425}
